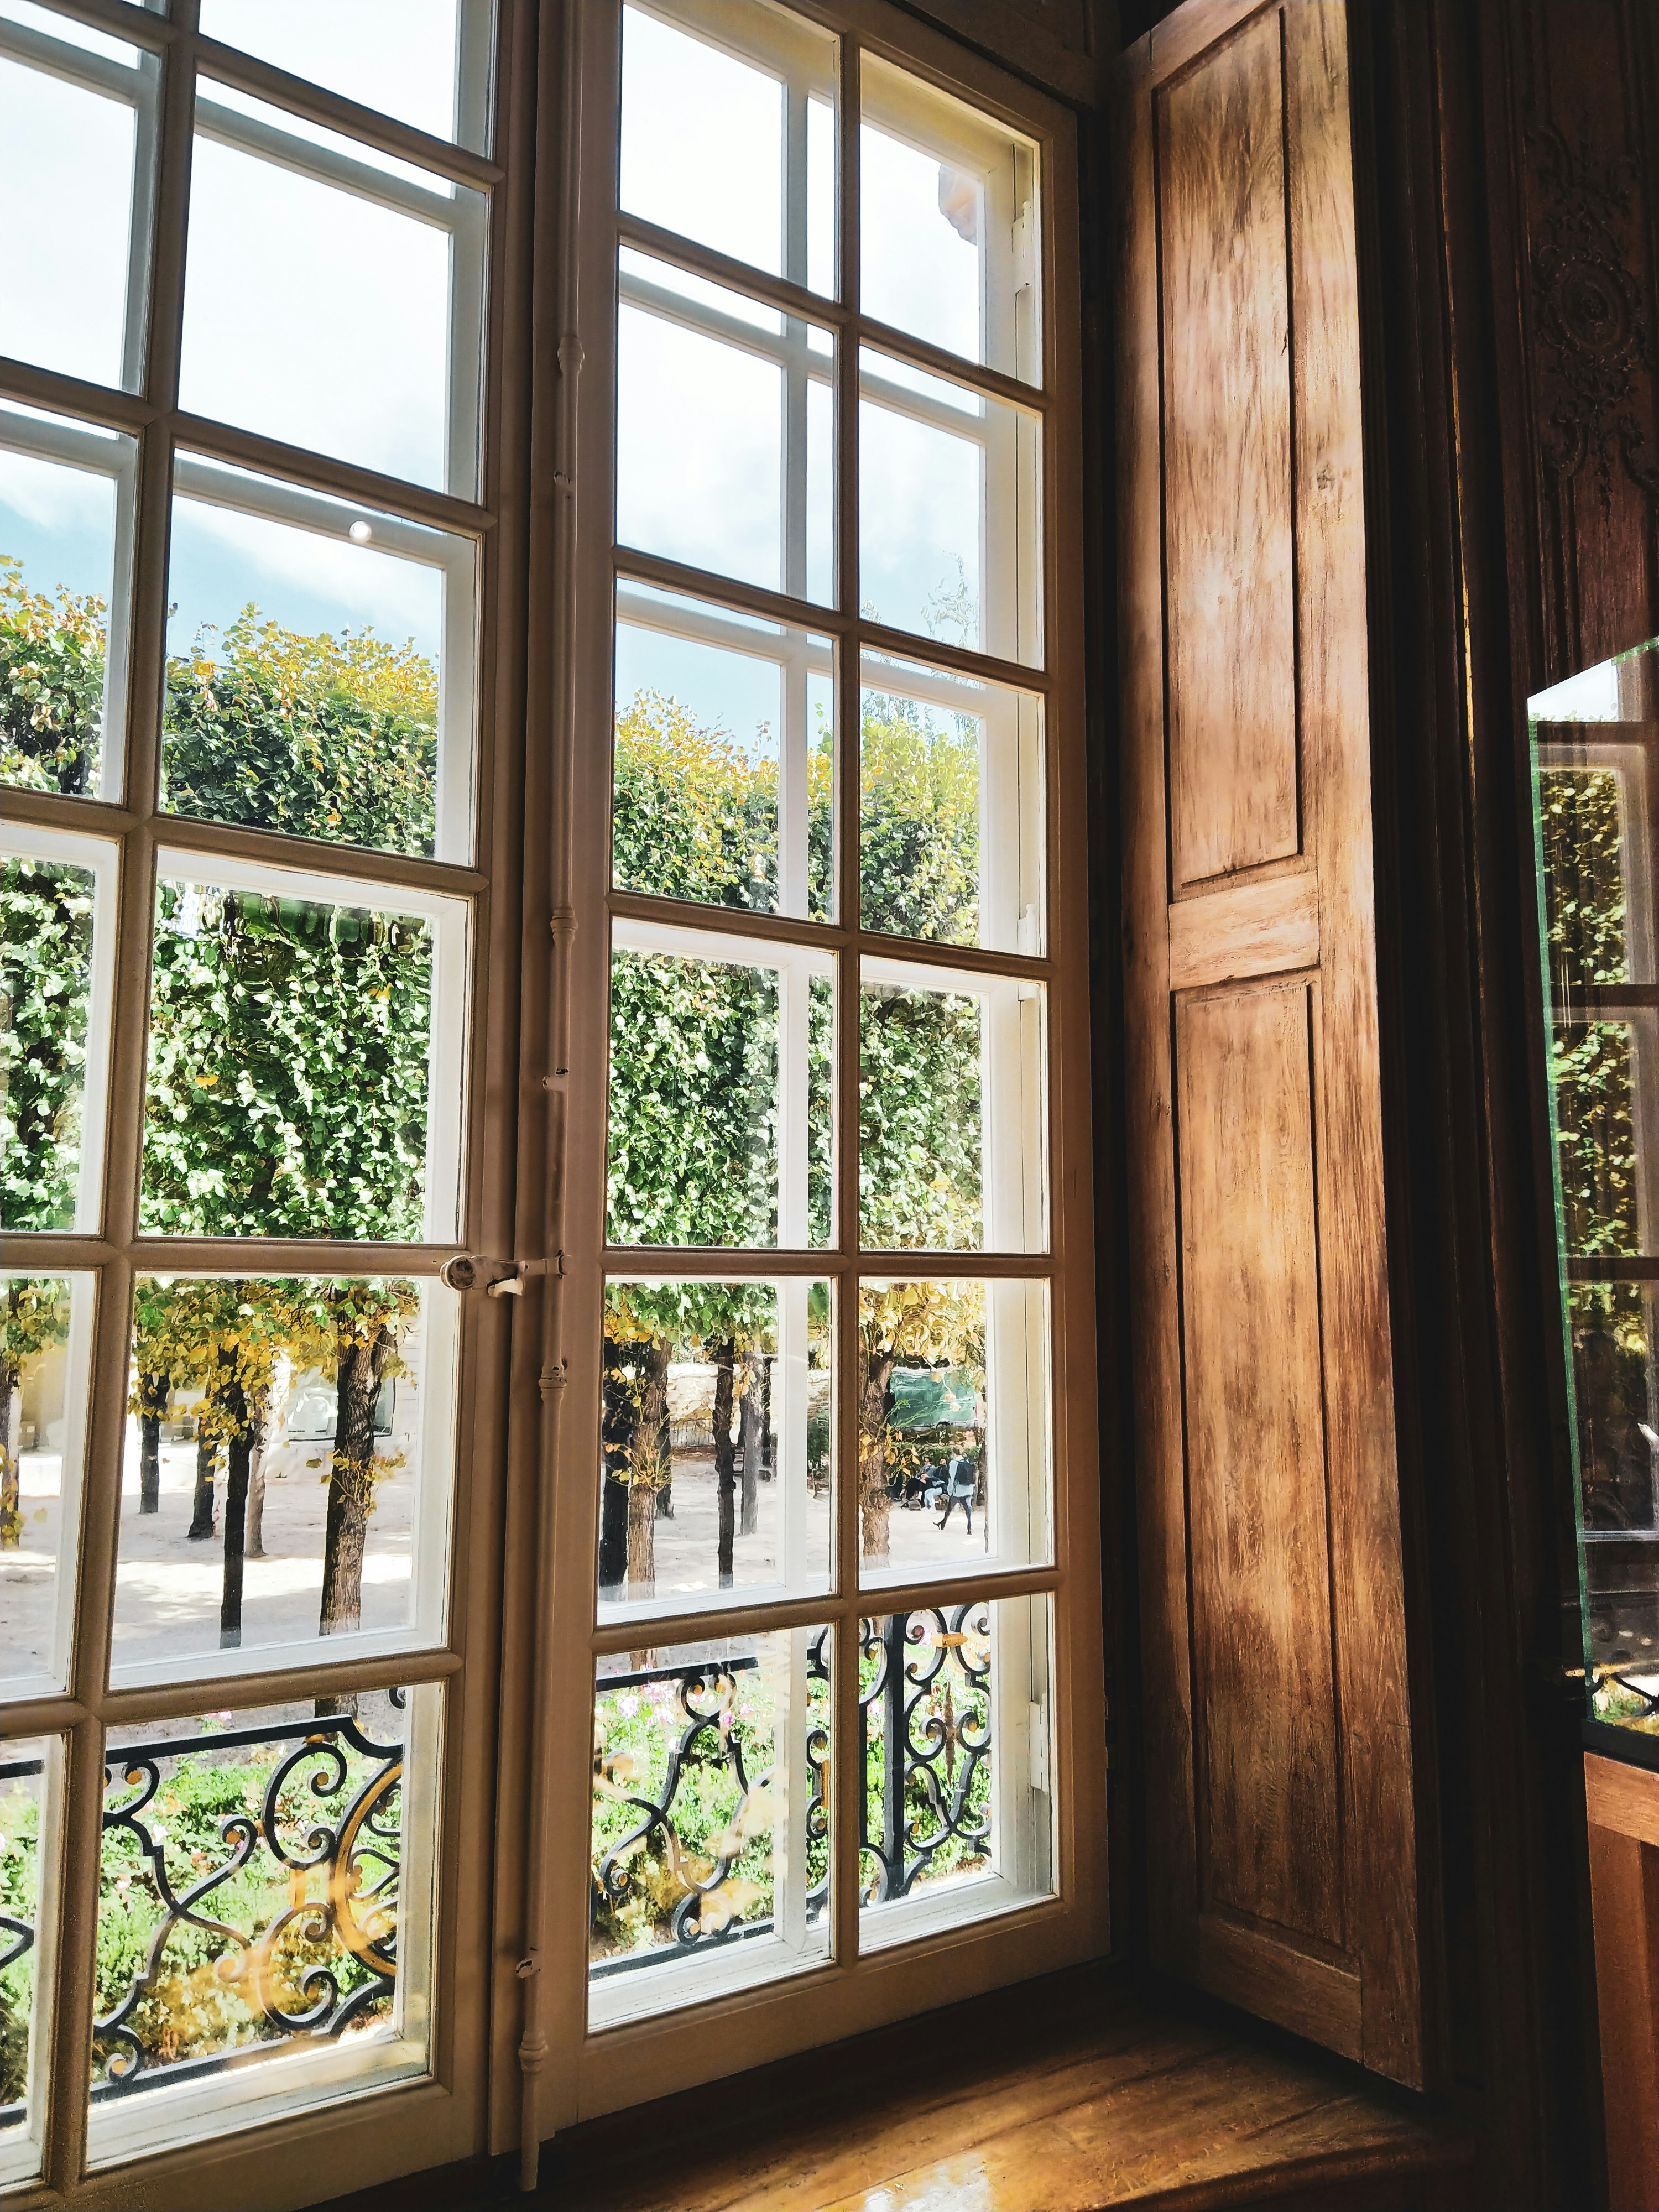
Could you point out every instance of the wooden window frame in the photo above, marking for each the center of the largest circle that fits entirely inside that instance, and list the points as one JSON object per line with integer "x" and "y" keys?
{"x": 567, "y": 2073}
{"x": 349, "y": 2138}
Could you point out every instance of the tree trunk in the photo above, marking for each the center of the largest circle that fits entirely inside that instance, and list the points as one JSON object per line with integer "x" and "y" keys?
{"x": 617, "y": 1413}
{"x": 613, "y": 1536}
{"x": 725, "y": 1473}
{"x": 256, "y": 1497}
{"x": 875, "y": 1501}
{"x": 768, "y": 1441}
{"x": 11, "y": 1475}
{"x": 239, "y": 1453}
{"x": 648, "y": 1462}
{"x": 154, "y": 1390}
{"x": 207, "y": 1448}
{"x": 351, "y": 1480}
{"x": 749, "y": 1432}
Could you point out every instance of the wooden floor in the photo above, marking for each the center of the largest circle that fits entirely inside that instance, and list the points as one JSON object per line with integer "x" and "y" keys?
{"x": 1070, "y": 2094}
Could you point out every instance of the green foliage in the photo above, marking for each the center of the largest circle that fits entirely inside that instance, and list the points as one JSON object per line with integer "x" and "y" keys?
{"x": 201, "y": 2005}
{"x": 20, "y": 1890}
{"x": 51, "y": 685}
{"x": 920, "y": 1119}
{"x": 45, "y": 969}
{"x": 288, "y": 1068}
{"x": 1581, "y": 835}
{"x": 317, "y": 736}
{"x": 1596, "y": 1134}
{"x": 919, "y": 822}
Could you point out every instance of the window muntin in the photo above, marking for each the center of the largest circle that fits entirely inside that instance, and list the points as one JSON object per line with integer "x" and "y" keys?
{"x": 936, "y": 930}
{"x": 77, "y": 126}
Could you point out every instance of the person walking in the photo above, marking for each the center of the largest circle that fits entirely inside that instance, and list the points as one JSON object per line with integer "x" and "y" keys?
{"x": 961, "y": 1478}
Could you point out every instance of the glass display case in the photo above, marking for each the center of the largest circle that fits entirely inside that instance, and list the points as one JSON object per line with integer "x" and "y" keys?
{"x": 1596, "y": 812}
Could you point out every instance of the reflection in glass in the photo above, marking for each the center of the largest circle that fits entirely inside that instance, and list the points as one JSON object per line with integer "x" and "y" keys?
{"x": 73, "y": 296}
{"x": 711, "y": 1819}
{"x": 715, "y": 1441}
{"x": 265, "y": 1887}
{"x": 729, "y": 139}
{"x": 952, "y": 1128}
{"x": 319, "y": 666}
{"x": 425, "y": 62}
{"x": 1593, "y": 815}
{"x": 45, "y": 1326}
{"x": 48, "y": 924}
{"x": 286, "y": 1470}
{"x": 724, "y": 785}
{"x": 956, "y": 1808}
{"x": 948, "y": 223}
{"x": 949, "y": 492}
{"x": 66, "y": 505}
{"x": 953, "y": 1426}
{"x": 724, "y": 433}
{"x": 338, "y": 315}
{"x": 23, "y": 1774}
{"x": 293, "y": 1041}
{"x": 950, "y": 808}
{"x": 721, "y": 1128}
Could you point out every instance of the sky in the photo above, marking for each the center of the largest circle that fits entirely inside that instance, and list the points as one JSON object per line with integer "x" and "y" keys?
{"x": 320, "y": 318}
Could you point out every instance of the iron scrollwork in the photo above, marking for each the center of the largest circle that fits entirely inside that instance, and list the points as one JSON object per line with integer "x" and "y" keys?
{"x": 359, "y": 1853}
{"x": 711, "y": 1909}
{"x": 926, "y": 1718}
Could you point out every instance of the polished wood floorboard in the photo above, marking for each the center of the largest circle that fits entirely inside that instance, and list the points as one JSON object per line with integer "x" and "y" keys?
{"x": 1074, "y": 2093}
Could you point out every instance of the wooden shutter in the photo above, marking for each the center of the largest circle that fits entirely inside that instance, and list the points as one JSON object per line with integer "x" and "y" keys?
{"x": 1280, "y": 1815}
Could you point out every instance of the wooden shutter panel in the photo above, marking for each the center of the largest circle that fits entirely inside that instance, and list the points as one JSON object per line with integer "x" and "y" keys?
{"x": 1280, "y": 1814}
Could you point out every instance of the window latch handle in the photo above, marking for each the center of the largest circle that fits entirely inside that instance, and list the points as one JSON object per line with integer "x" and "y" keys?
{"x": 497, "y": 1278}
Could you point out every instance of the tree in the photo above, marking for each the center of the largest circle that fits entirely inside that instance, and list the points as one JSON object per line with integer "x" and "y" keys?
{"x": 51, "y": 685}
{"x": 34, "y": 1317}
{"x": 46, "y": 968}
{"x": 933, "y": 1323}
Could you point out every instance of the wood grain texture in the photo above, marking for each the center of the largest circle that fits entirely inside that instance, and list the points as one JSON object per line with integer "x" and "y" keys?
{"x": 1254, "y": 929}
{"x": 1280, "y": 1777}
{"x": 1258, "y": 1571}
{"x": 1625, "y": 1907}
{"x": 1625, "y": 1799}
{"x": 1311, "y": 1996}
{"x": 1230, "y": 520}
{"x": 1367, "y": 1593}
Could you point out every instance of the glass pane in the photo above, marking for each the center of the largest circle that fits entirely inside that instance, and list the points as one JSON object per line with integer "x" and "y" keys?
{"x": 711, "y": 1819}
{"x": 25, "y": 1764}
{"x": 287, "y": 1471}
{"x": 66, "y": 507}
{"x": 957, "y": 1808}
{"x": 954, "y": 1471}
{"x": 305, "y": 1058}
{"x": 332, "y": 295}
{"x": 415, "y": 59}
{"x": 951, "y": 825}
{"x": 265, "y": 1892}
{"x": 1616, "y": 1401}
{"x": 715, "y": 1441}
{"x": 75, "y": 133}
{"x": 724, "y": 785}
{"x": 1593, "y": 813}
{"x": 950, "y": 534}
{"x": 1599, "y": 1073}
{"x": 948, "y": 200}
{"x": 319, "y": 666}
{"x": 728, "y": 133}
{"x": 57, "y": 894}
{"x": 722, "y": 1124}
{"x": 951, "y": 1113}
{"x": 724, "y": 433}
{"x": 46, "y": 1346}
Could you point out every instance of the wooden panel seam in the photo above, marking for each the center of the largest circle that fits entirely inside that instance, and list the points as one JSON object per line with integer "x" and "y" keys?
{"x": 1256, "y": 929}
{"x": 1306, "y": 1994}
